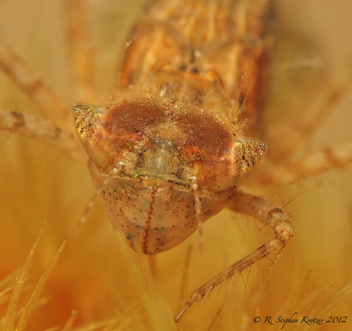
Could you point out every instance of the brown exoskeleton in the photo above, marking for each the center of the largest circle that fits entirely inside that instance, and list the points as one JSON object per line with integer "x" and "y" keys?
{"x": 176, "y": 149}
{"x": 166, "y": 154}
{"x": 169, "y": 152}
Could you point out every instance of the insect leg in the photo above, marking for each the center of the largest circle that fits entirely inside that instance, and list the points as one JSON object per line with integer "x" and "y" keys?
{"x": 322, "y": 161}
{"x": 307, "y": 166}
{"x": 31, "y": 84}
{"x": 268, "y": 214}
{"x": 335, "y": 94}
{"x": 42, "y": 130}
{"x": 81, "y": 52}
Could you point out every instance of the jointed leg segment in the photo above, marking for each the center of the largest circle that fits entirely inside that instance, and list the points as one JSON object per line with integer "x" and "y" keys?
{"x": 268, "y": 214}
{"x": 31, "y": 84}
{"x": 307, "y": 166}
{"x": 42, "y": 130}
{"x": 81, "y": 52}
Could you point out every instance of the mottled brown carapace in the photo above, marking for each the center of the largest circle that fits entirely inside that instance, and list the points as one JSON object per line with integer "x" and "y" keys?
{"x": 209, "y": 53}
{"x": 157, "y": 149}
{"x": 169, "y": 153}
{"x": 197, "y": 69}
{"x": 167, "y": 150}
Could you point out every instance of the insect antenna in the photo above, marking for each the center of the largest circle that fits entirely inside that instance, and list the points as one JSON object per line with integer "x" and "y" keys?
{"x": 336, "y": 93}
{"x": 197, "y": 207}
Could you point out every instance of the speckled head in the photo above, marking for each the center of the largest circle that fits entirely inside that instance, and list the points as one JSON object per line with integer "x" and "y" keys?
{"x": 157, "y": 147}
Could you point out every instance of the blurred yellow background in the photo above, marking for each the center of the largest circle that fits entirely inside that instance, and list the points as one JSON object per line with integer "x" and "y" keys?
{"x": 97, "y": 274}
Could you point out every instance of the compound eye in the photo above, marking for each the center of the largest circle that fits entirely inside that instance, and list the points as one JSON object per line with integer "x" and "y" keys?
{"x": 247, "y": 153}
{"x": 108, "y": 133}
{"x": 89, "y": 127}
{"x": 172, "y": 145}
{"x": 223, "y": 172}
